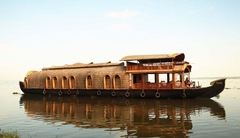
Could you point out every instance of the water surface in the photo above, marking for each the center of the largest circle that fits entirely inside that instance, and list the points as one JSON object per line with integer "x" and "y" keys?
{"x": 53, "y": 116}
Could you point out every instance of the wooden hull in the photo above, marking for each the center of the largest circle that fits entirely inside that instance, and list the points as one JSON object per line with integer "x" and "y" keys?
{"x": 216, "y": 88}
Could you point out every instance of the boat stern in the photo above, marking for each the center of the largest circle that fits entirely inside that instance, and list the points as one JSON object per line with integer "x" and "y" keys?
{"x": 21, "y": 85}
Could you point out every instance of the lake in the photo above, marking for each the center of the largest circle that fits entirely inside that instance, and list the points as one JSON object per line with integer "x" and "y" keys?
{"x": 52, "y": 116}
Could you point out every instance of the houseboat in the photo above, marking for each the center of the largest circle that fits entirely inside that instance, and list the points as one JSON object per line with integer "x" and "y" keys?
{"x": 136, "y": 76}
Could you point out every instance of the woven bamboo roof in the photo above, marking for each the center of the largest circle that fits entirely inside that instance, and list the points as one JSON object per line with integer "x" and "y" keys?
{"x": 94, "y": 72}
{"x": 162, "y": 57}
{"x": 82, "y": 65}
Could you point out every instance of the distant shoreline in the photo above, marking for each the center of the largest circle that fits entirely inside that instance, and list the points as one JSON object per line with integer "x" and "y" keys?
{"x": 237, "y": 77}
{"x": 215, "y": 77}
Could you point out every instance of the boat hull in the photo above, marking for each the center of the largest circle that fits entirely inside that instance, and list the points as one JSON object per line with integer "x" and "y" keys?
{"x": 215, "y": 89}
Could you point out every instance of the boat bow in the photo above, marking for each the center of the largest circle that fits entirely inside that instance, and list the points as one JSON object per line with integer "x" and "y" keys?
{"x": 217, "y": 86}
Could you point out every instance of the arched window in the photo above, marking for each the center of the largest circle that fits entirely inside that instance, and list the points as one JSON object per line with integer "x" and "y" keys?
{"x": 48, "y": 82}
{"x": 64, "y": 82}
{"x": 107, "y": 82}
{"x": 72, "y": 82}
{"x": 54, "y": 83}
{"x": 117, "y": 81}
{"x": 89, "y": 82}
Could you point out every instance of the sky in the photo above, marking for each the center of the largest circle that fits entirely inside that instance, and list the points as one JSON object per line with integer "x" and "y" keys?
{"x": 36, "y": 34}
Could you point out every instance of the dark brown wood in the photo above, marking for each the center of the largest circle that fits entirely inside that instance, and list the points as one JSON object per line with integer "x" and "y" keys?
{"x": 206, "y": 92}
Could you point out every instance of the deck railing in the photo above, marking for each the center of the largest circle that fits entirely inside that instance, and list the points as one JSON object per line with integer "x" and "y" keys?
{"x": 149, "y": 67}
{"x": 152, "y": 86}
{"x": 153, "y": 66}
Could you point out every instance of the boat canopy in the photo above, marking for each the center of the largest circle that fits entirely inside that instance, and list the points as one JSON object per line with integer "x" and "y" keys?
{"x": 176, "y": 57}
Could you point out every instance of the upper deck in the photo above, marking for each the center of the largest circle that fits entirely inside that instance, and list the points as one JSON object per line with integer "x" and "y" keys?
{"x": 168, "y": 67}
{"x": 158, "y": 63}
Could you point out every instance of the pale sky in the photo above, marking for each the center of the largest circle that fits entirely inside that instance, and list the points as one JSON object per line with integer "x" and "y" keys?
{"x": 36, "y": 34}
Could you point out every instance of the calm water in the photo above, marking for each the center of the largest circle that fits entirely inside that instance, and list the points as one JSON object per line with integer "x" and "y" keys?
{"x": 50, "y": 117}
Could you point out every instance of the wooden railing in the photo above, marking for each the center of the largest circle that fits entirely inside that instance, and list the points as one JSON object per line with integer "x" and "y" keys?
{"x": 141, "y": 67}
{"x": 152, "y": 86}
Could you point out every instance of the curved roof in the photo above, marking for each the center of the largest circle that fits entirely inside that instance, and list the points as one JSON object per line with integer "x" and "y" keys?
{"x": 162, "y": 57}
{"x": 82, "y": 65}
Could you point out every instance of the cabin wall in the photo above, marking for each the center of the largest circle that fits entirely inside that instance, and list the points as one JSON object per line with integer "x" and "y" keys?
{"x": 98, "y": 74}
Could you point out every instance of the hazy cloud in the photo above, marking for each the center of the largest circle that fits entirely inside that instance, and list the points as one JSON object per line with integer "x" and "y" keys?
{"x": 119, "y": 26}
{"x": 207, "y": 9}
{"x": 122, "y": 14}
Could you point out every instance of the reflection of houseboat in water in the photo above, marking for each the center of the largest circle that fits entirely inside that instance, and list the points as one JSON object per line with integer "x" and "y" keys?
{"x": 138, "y": 117}
{"x": 144, "y": 76}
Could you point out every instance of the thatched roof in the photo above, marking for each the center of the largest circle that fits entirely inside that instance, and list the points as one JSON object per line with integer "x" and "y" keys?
{"x": 30, "y": 72}
{"x": 162, "y": 57}
{"x": 38, "y": 79}
{"x": 82, "y": 65}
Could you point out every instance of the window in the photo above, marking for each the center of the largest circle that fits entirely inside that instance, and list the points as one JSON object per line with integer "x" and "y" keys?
{"x": 64, "y": 83}
{"x": 137, "y": 78}
{"x": 48, "y": 82}
{"x": 54, "y": 83}
{"x": 89, "y": 82}
{"x": 151, "y": 78}
{"x": 178, "y": 77}
{"x": 178, "y": 80}
{"x": 72, "y": 83}
{"x": 162, "y": 78}
{"x": 117, "y": 82}
{"x": 107, "y": 82}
